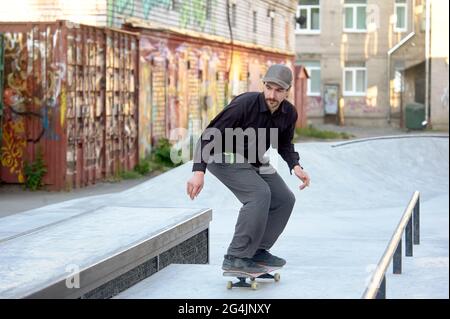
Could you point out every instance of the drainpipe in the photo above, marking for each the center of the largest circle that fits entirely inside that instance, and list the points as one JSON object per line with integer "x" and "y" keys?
{"x": 427, "y": 62}
{"x": 390, "y": 52}
{"x": 389, "y": 86}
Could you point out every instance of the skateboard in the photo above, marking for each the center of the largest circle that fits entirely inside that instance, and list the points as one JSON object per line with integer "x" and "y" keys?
{"x": 242, "y": 276}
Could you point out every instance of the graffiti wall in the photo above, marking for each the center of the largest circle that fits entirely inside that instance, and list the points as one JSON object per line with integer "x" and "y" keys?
{"x": 101, "y": 104}
{"x": 185, "y": 82}
{"x": 314, "y": 106}
{"x": 1, "y": 85}
{"x": 71, "y": 91}
{"x": 356, "y": 106}
{"x": 193, "y": 14}
{"x": 211, "y": 17}
{"x": 70, "y": 94}
{"x": 34, "y": 73}
{"x": 188, "y": 13}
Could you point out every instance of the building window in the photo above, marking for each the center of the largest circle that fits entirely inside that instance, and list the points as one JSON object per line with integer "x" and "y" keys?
{"x": 400, "y": 10}
{"x": 233, "y": 15}
{"x": 309, "y": 9}
{"x": 355, "y": 79}
{"x": 272, "y": 27}
{"x": 176, "y": 5}
{"x": 255, "y": 21}
{"x": 208, "y": 9}
{"x": 355, "y": 16}
{"x": 314, "y": 81}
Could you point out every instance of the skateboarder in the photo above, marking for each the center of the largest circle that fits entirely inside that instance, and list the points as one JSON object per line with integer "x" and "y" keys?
{"x": 232, "y": 148}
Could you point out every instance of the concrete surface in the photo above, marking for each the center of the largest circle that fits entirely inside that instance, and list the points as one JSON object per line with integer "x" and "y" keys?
{"x": 14, "y": 199}
{"x": 41, "y": 257}
{"x": 341, "y": 225}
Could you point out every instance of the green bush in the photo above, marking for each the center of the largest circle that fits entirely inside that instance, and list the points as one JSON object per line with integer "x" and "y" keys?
{"x": 130, "y": 175}
{"x": 162, "y": 153}
{"x": 313, "y": 132}
{"x": 34, "y": 172}
{"x": 158, "y": 161}
{"x": 143, "y": 167}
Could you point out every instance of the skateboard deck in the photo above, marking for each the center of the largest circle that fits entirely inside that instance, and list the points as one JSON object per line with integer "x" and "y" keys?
{"x": 243, "y": 276}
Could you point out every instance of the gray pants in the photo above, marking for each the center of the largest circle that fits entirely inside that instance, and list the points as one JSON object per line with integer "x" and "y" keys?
{"x": 267, "y": 206}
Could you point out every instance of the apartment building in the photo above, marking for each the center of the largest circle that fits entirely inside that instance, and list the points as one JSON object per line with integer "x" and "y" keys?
{"x": 368, "y": 59}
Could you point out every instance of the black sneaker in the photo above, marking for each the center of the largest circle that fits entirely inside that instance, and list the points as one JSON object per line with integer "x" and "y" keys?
{"x": 231, "y": 263}
{"x": 263, "y": 257}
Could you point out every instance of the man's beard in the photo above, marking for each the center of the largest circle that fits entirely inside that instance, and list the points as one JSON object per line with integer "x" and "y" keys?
{"x": 272, "y": 103}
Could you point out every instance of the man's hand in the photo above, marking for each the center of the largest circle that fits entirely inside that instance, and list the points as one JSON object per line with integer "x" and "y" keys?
{"x": 195, "y": 184}
{"x": 303, "y": 176}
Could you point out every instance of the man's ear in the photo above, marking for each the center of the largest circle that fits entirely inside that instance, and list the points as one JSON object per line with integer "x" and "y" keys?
{"x": 287, "y": 91}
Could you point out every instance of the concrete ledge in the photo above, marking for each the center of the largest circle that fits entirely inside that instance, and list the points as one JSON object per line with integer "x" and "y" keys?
{"x": 96, "y": 248}
{"x": 390, "y": 138}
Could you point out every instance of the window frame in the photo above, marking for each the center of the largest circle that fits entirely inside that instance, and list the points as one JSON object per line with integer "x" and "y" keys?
{"x": 308, "y": 29}
{"x": 354, "y": 7}
{"x": 208, "y": 10}
{"x": 354, "y": 70}
{"x": 233, "y": 10}
{"x": 255, "y": 21}
{"x": 272, "y": 27}
{"x": 308, "y": 83}
{"x": 404, "y": 5}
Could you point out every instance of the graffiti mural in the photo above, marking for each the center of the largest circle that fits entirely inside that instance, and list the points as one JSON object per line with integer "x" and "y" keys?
{"x": 1, "y": 87}
{"x": 12, "y": 150}
{"x": 193, "y": 13}
{"x": 314, "y": 106}
{"x": 33, "y": 81}
{"x": 121, "y": 129}
{"x": 184, "y": 84}
{"x": 145, "y": 137}
{"x": 131, "y": 7}
{"x": 83, "y": 100}
{"x": 179, "y": 89}
{"x": 190, "y": 13}
{"x": 71, "y": 91}
{"x": 361, "y": 105}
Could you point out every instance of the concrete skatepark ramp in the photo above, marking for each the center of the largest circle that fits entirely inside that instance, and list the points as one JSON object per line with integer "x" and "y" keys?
{"x": 339, "y": 228}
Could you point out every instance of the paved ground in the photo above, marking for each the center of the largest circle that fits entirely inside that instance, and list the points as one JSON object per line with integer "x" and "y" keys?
{"x": 363, "y": 132}
{"x": 339, "y": 228}
{"x": 13, "y": 199}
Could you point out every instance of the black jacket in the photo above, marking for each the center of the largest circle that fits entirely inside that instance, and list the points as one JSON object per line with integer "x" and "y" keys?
{"x": 249, "y": 110}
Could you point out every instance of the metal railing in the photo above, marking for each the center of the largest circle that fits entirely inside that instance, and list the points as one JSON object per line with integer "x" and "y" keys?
{"x": 410, "y": 225}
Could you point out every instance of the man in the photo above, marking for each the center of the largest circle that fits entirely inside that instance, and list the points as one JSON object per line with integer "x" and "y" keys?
{"x": 267, "y": 201}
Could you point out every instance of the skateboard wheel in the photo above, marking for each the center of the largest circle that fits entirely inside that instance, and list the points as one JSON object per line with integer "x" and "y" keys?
{"x": 276, "y": 277}
{"x": 254, "y": 285}
{"x": 229, "y": 285}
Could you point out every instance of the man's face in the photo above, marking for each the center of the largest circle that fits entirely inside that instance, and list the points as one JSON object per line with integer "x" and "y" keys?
{"x": 274, "y": 95}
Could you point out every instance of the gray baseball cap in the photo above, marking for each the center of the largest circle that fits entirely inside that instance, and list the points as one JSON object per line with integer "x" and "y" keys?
{"x": 279, "y": 74}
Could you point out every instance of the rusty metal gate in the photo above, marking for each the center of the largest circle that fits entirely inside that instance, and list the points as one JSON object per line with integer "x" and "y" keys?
{"x": 1, "y": 90}
{"x": 121, "y": 120}
{"x": 69, "y": 91}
